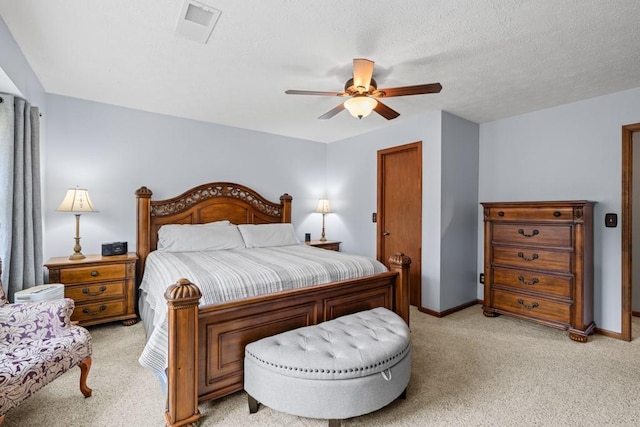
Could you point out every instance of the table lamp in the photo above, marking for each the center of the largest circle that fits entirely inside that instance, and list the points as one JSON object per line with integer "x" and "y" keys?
{"x": 324, "y": 207}
{"x": 76, "y": 201}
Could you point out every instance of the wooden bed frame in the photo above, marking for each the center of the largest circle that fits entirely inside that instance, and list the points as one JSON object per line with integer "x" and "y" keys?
{"x": 206, "y": 344}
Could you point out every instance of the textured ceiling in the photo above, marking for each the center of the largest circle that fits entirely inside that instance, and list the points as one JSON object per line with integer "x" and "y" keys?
{"x": 493, "y": 58}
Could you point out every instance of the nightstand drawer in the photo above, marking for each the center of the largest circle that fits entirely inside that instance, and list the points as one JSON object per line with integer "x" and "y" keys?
{"x": 83, "y": 293}
{"x": 92, "y": 274}
{"x": 89, "y": 312}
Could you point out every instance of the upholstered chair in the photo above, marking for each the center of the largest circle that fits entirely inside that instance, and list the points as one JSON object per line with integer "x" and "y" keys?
{"x": 38, "y": 343}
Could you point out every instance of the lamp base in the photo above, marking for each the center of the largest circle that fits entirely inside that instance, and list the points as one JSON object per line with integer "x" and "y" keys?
{"x": 77, "y": 256}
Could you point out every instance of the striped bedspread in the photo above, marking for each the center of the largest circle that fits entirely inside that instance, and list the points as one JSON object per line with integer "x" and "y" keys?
{"x": 233, "y": 274}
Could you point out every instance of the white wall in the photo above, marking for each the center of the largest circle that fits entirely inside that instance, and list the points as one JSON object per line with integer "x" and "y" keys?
{"x": 112, "y": 151}
{"x": 570, "y": 152}
{"x": 352, "y": 188}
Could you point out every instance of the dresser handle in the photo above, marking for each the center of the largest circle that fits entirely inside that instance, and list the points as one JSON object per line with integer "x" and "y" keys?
{"x": 93, "y": 294}
{"x": 500, "y": 213}
{"x": 557, "y": 214}
{"x": 533, "y": 233}
{"x": 532, "y": 282}
{"x": 528, "y": 307}
{"x": 533, "y": 257}
{"x": 93, "y": 313}
{"x": 94, "y": 273}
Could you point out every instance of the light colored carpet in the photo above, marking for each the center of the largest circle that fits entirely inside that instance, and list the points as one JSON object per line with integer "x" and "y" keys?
{"x": 468, "y": 370}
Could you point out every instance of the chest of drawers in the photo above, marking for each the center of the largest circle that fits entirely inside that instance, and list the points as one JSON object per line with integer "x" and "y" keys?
{"x": 103, "y": 288}
{"x": 538, "y": 263}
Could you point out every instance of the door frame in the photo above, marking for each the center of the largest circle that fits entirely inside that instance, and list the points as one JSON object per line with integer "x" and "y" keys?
{"x": 627, "y": 230}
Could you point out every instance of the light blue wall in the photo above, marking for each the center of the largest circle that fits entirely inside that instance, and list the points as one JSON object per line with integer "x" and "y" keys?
{"x": 448, "y": 142}
{"x": 112, "y": 151}
{"x": 460, "y": 152}
{"x": 570, "y": 152}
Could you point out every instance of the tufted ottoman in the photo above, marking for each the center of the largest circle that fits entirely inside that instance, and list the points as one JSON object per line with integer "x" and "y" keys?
{"x": 341, "y": 368}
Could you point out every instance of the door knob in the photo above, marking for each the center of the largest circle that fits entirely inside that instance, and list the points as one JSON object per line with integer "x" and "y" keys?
{"x": 386, "y": 233}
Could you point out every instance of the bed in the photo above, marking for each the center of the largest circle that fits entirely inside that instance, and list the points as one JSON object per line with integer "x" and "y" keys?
{"x": 205, "y": 341}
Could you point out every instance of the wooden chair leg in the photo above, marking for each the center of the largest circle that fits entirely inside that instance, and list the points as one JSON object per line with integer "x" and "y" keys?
{"x": 2, "y": 419}
{"x": 334, "y": 423}
{"x": 85, "y": 366}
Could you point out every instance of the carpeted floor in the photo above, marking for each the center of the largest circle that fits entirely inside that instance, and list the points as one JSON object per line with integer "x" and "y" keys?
{"x": 468, "y": 370}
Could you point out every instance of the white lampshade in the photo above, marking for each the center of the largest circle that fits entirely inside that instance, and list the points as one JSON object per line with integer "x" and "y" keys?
{"x": 324, "y": 207}
{"x": 360, "y": 106}
{"x": 76, "y": 200}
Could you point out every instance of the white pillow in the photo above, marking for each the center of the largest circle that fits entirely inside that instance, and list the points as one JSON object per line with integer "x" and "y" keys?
{"x": 193, "y": 238}
{"x": 265, "y": 235}
{"x": 224, "y": 222}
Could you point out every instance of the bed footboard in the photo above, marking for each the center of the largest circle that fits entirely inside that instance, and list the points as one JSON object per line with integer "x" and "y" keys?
{"x": 206, "y": 345}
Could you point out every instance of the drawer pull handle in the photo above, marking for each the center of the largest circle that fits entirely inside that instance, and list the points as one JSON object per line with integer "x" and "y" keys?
{"x": 533, "y": 233}
{"x": 94, "y": 273}
{"x": 533, "y": 257}
{"x": 94, "y": 313}
{"x": 532, "y": 282}
{"x": 528, "y": 307}
{"x": 557, "y": 214}
{"x": 500, "y": 213}
{"x": 93, "y": 294}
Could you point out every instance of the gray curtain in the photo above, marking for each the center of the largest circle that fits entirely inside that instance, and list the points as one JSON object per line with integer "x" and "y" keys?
{"x": 20, "y": 201}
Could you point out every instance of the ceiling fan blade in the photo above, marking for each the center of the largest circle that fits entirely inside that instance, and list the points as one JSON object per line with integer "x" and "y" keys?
{"x": 362, "y": 73}
{"x": 409, "y": 90}
{"x": 332, "y": 112}
{"x": 385, "y": 111}
{"x": 313, "y": 92}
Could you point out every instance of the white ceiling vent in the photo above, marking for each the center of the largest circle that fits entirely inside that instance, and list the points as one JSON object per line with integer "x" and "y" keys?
{"x": 197, "y": 20}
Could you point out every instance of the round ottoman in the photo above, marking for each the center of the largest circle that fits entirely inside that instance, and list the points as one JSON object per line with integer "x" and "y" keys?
{"x": 338, "y": 369}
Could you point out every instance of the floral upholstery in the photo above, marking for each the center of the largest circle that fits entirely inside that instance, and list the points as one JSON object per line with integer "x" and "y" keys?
{"x": 38, "y": 343}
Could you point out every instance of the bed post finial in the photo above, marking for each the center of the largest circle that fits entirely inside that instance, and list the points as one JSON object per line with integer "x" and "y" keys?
{"x": 182, "y": 369}
{"x": 285, "y": 200}
{"x": 400, "y": 263}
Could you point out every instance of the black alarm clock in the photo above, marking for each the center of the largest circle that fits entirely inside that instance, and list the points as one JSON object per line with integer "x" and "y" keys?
{"x": 114, "y": 248}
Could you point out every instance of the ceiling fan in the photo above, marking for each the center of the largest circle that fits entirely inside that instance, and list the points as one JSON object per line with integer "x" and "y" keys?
{"x": 364, "y": 94}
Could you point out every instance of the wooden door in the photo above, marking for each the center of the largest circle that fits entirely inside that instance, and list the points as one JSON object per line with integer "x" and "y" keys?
{"x": 400, "y": 209}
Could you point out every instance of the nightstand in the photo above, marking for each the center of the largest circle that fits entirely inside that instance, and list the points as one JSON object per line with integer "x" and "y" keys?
{"x": 331, "y": 245}
{"x": 103, "y": 287}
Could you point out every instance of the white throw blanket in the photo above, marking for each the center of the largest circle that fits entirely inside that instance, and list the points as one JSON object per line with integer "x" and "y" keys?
{"x": 234, "y": 274}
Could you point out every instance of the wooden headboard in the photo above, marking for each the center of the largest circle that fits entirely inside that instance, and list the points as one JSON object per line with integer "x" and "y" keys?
{"x": 215, "y": 201}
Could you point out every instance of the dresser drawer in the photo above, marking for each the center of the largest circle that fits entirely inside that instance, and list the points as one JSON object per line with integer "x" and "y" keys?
{"x": 89, "y": 292}
{"x": 533, "y": 258}
{"x": 533, "y": 281}
{"x": 539, "y": 235}
{"x": 92, "y": 274}
{"x": 547, "y": 213}
{"x": 533, "y": 307}
{"x": 101, "y": 310}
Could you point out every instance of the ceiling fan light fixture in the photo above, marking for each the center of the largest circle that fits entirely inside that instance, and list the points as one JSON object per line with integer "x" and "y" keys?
{"x": 360, "y": 106}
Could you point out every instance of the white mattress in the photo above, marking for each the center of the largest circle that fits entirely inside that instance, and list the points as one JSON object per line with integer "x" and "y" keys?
{"x": 233, "y": 274}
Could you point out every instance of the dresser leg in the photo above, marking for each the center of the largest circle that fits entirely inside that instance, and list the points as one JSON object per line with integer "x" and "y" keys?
{"x": 490, "y": 313}
{"x": 578, "y": 338}
{"x": 130, "y": 322}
